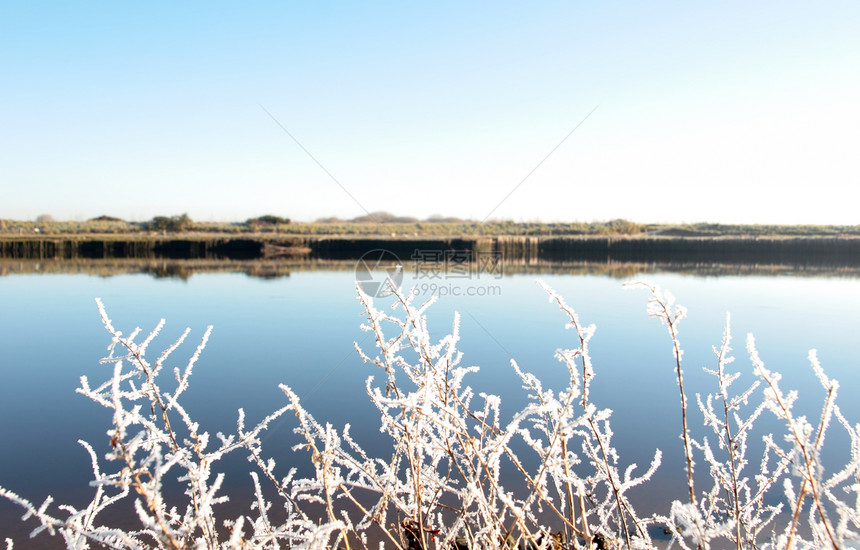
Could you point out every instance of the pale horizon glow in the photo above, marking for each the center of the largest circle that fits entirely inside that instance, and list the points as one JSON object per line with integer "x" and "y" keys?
{"x": 724, "y": 113}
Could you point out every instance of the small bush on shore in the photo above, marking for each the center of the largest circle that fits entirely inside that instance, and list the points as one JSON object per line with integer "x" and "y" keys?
{"x": 173, "y": 224}
{"x": 268, "y": 219}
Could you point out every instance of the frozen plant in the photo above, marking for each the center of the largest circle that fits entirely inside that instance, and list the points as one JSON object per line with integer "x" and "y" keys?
{"x": 735, "y": 509}
{"x": 453, "y": 448}
{"x": 600, "y": 497}
{"x": 732, "y": 495}
{"x": 154, "y": 442}
{"x": 824, "y": 496}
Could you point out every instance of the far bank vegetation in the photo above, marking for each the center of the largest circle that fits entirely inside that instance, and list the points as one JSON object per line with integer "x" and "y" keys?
{"x": 387, "y": 224}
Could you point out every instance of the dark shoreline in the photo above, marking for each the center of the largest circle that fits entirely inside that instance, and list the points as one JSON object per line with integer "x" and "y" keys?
{"x": 790, "y": 251}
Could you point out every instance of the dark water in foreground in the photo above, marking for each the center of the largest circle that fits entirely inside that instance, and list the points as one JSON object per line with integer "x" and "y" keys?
{"x": 300, "y": 329}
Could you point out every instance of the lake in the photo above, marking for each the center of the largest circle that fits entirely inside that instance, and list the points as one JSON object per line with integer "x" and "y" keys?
{"x": 298, "y": 326}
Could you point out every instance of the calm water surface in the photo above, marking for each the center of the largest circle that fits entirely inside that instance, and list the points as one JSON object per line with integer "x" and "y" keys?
{"x": 299, "y": 330}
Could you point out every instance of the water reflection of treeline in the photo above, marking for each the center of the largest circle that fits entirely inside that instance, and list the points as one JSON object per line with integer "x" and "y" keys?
{"x": 281, "y": 268}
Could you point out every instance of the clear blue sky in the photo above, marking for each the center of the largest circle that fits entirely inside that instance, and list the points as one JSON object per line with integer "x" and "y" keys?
{"x": 706, "y": 111}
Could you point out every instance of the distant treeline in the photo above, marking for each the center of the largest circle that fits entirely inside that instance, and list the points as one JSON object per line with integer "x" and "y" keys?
{"x": 386, "y": 224}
